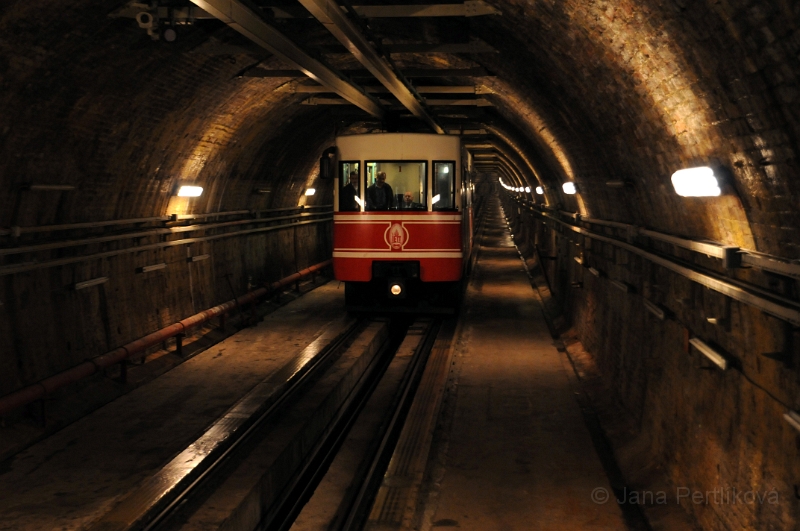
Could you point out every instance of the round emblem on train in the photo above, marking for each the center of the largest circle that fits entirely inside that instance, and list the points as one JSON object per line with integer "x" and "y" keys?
{"x": 396, "y": 236}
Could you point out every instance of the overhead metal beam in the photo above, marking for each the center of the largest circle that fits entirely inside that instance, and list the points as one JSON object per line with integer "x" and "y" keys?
{"x": 332, "y": 17}
{"x": 250, "y": 24}
{"x": 470, "y": 8}
{"x": 464, "y": 89}
{"x": 424, "y": 48}
{"x": 409, "y": 72}
{"x": 479, "y": 102}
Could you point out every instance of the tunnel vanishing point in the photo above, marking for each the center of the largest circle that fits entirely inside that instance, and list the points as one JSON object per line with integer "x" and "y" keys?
{"x": 689, "y": 305}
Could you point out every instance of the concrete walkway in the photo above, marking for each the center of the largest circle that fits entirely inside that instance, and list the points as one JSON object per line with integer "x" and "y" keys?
{"x": 515, "y": 453}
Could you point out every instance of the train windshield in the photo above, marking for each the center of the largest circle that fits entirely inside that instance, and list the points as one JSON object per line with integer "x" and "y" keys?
{"x": 444, "y": 189}
{"x": 349, "y": 192}
{"x": 396, "y": 185}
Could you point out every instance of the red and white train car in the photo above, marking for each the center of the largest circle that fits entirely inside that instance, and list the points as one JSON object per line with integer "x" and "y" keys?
{"x": 403, "y": 241}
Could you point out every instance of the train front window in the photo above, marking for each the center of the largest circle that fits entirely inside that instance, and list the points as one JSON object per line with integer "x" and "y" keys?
{"x": 402, "y": 189}
{"x": 349, "y": 190}
{"x": 444, "y": 178}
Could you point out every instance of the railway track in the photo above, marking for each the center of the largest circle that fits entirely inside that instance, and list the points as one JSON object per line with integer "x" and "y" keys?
{"x": 258, "y": 464}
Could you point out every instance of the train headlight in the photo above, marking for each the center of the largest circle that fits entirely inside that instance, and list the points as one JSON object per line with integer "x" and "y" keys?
{"x": 397, "y": 288}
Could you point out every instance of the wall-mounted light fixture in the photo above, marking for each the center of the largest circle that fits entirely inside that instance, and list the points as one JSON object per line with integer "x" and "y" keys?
{"x": 311, "y": 191}
{"x": 621, "y": 286}
{"x": 617, "y": 183}
{"x": 569, "y": 188}
{"x": 696, "y": 182}
{"x": 154, "y": 267}
{"x": 190, "y": 191}
{"x": 718, "y": 359}
{"x": 89, "y": 283}
{"x": 655, "y": 309}
{"x": 539, "y": 190}
{"x": 793, "y": 419}
{"x": 198, "y": 258}
{"x": 595, "y": 272}
{"x": 50, "y": 187}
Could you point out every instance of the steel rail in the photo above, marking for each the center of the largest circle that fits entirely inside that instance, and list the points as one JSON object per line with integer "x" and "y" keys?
{"x": 164, "y": 492}
{"x": 32, "y": 266}
{"x": 335, "y": 20}
{"x": 245, "y": 19}
{"x": 355, "y": 516}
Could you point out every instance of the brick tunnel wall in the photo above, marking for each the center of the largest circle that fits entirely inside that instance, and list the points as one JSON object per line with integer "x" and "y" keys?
{"x": 706, "y": 429}
{"x": 125, "y": 121}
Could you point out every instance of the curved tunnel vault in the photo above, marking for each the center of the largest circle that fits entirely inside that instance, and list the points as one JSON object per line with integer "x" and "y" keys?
{"x": 590, "y": 92}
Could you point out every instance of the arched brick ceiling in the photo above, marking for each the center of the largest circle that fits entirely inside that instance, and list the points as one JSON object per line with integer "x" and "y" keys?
{"x": 583, "y": 90}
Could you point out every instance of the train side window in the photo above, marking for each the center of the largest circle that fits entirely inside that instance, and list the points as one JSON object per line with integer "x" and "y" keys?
{"x": 444, "y": 189}
{"x": 407, "y": 181}
{"x": 349, "y": 194}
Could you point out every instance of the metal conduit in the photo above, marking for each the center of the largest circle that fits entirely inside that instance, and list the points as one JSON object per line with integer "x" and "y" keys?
{"x": 136, "y": 348}
{"x": 785, "y": 312}
{"x": 19, "y": 268}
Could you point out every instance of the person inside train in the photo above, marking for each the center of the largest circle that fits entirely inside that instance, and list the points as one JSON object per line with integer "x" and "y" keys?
{"x": 380, "y": 195}
{"x": 347, "y": 199}
{"x": 408, "y": 202}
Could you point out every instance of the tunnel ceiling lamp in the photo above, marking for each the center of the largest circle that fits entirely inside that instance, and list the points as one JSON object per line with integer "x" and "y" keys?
{"x": 311, "y": 191}
{"x": 569, "y": 188}
{"x": 527, "y": 189}
{"x": 696, "y": 182}
{"x": 190, "y": 191}
{"x": 539, "y": 190}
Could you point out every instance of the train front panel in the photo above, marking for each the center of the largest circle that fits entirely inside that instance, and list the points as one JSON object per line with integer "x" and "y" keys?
{"x": 429, "y": 243}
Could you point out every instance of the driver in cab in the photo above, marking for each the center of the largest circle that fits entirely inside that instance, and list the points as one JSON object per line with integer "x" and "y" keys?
{"x": 380, "y": 195}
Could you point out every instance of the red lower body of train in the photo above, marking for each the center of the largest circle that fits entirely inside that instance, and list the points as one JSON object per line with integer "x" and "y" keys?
{"x": 401, "y": 259}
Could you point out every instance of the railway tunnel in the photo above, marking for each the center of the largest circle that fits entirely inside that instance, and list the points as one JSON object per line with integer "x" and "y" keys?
{"x": 675, "y": 311}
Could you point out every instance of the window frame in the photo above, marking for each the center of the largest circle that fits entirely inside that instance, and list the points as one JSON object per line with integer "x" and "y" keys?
{"x": 453, "y": 184}
{"x": 426, "y": 163}
{"x": 342, "y": 183}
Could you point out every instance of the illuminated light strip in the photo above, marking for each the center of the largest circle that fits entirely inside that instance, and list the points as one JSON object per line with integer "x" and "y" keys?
{"x": 338, "y": 222}
{"x": 373, "y": 249}
{"x": 395, "y": 217}
{"x": 396, "y": 254}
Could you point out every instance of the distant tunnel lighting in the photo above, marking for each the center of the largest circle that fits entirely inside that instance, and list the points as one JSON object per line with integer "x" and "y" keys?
{"x": 527, "y": 189}
{"x": 436, "y": 199}
{"x": 540, "y": 190}
{"x": 569, "y": 188}
{"x": 311, "y": 191}
{"x": 696, "y": 182}
{"x": 190, "y": 191}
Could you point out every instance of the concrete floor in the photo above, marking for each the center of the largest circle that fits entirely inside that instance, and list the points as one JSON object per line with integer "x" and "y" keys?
{"x": 73, "y": 477}
{"x": 514, "y": 453}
